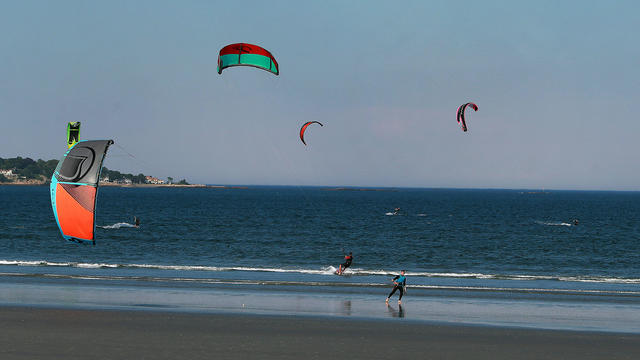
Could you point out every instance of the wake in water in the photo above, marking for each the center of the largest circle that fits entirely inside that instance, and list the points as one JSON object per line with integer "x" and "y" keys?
{"x": 331, "y": 270}
{"x": 553, "y": 223}
{"x": 397, "y": 214}
{"x": 117, "y": 226}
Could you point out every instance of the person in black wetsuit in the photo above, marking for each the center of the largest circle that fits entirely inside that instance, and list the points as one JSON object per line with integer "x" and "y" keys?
{"x": 399, "y": 283}
{"x": 347, "y": 262}
{"x": 136, "y": 221}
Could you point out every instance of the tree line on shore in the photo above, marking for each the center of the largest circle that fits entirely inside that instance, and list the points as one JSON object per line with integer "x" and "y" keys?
{"x": 26, "y": 168}
{"x": 19, "y": 168}
{"x": 117, "y": 176}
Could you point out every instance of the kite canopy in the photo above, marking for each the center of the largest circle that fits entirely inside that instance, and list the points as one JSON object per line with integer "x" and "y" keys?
{"x": 242, "y": 54}
{"x": 74, "y": 188}
{"x": 73, "y": 133}
{"x": 304, "y": 128}
{"x": 460, "y": 114}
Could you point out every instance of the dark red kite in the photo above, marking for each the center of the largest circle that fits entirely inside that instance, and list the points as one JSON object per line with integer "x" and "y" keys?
{"x": 304, "y": 128}
{"x": 460, "y": 114}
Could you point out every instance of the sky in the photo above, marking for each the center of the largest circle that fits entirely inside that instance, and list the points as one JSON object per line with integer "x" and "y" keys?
{"x": 557, "y": 84}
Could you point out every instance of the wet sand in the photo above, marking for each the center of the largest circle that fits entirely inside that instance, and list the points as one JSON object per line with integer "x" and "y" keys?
{"x": 41, "y": 333}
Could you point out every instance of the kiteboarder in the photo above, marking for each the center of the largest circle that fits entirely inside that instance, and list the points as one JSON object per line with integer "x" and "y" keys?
{"x": 399, "y": 283}
{"x": 576, "y": 222}
{"x": 396, "y": 211}
{"x": 347, "y": 262}
{"x": 136, "y": 221}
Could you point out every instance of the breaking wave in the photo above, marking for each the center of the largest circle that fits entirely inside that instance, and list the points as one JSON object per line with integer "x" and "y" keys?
{"x": 327, "y": 270}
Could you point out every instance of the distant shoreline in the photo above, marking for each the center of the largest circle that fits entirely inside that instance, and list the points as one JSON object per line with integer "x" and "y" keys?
{"x": 158, "y": 185}
{"x": 181, "y": 186}
{"x": 522, "y": 191}
{"x": 23, "y": 183}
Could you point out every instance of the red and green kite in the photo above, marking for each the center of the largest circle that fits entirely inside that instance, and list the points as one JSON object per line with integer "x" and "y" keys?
{"x": 242, "y": 54}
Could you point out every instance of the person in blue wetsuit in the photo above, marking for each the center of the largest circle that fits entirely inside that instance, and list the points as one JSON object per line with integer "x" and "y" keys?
{"x": 399, "y": 283}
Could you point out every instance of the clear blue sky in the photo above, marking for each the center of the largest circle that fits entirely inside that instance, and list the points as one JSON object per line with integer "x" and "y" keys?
{"x": 557, "y": 84}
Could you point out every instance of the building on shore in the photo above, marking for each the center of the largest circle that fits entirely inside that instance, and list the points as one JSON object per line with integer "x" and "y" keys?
{"x": 153, "y": 180}
{"x": 7, "y": 173}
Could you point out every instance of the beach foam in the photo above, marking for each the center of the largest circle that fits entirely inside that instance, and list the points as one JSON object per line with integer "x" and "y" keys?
{"x": 327, "y": 270}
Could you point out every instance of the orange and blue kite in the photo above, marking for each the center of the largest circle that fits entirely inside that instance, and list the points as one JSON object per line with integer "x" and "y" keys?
{"x": 74, "y": 189}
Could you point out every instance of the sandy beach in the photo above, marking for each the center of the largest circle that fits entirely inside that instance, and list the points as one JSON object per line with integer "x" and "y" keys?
{"x": 41, "y": 333}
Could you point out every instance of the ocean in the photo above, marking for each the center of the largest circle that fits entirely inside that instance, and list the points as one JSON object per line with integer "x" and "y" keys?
{"x": 488, "y": 257}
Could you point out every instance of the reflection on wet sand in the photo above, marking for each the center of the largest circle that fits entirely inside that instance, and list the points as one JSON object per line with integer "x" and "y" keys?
{"x": 399, "y": 313}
